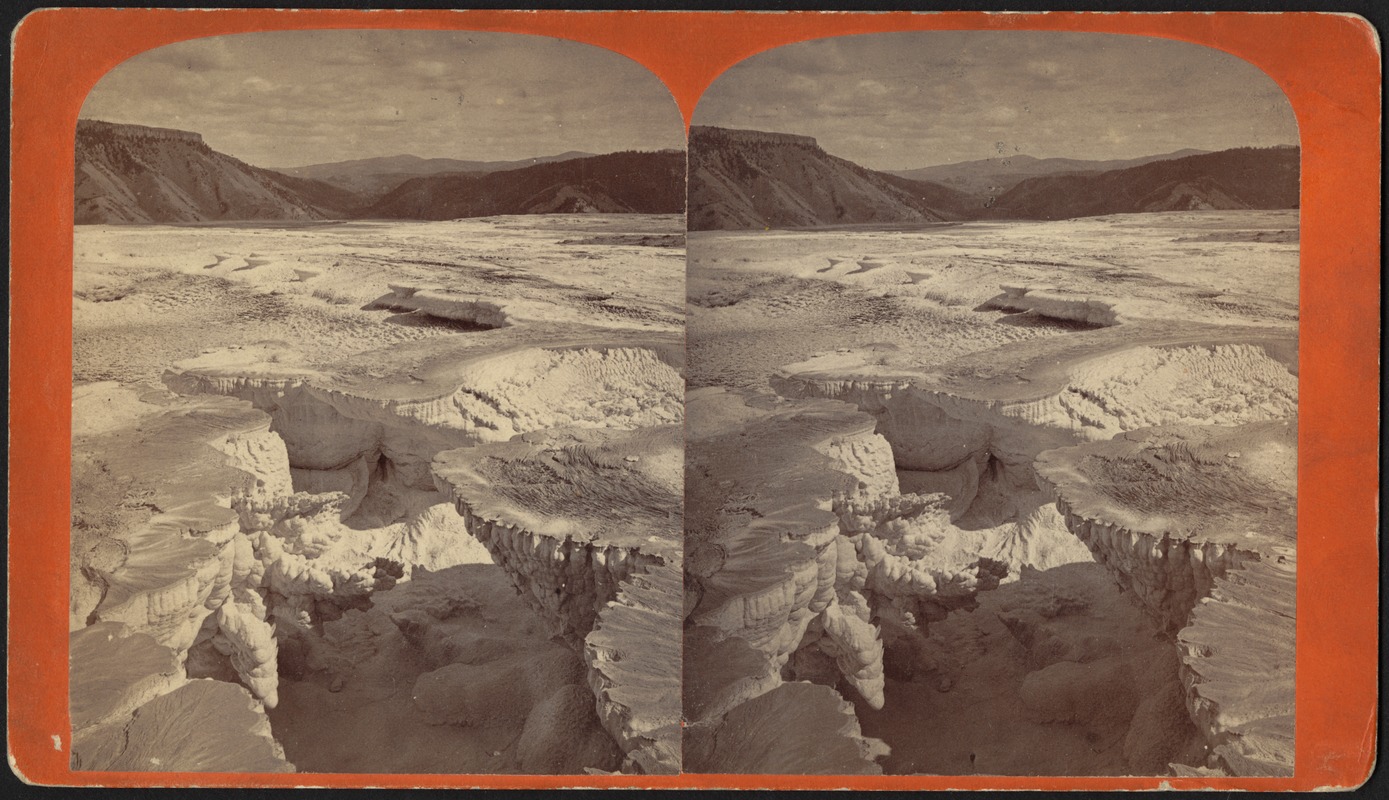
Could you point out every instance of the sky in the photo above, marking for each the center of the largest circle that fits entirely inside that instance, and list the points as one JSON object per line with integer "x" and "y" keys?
{"x": 294, "y": 98}
{"x": 921, "y": 98}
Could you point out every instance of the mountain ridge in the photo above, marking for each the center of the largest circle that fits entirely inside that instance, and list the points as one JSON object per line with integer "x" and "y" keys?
{"x": 141, "y": 174}
{"x": 742, "y": 179}
{"x": 1001, "y": 173}
{"x": 623, "y": 182}
{"x": 374, "y": 177}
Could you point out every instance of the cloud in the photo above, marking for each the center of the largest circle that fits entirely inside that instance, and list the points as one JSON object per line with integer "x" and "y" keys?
{"x": 288, "y": 98}
{"x": 911, "y": 99}
{"x": 1000, "y": 115}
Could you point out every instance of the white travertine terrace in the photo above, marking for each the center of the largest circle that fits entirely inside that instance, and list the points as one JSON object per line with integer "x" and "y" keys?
{"x": 1199, "y": 523}
{"x": 184, "y": 577}
{"x": 974, "y": 427}
{"x": 587, "y": 523}
{"x": 794, "y": 543}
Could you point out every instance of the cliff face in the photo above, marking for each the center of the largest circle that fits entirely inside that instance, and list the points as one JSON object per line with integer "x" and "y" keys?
{"x": 586, "y": 525}
{"x": 741, "y": 136}
{"x": 132, "y": 173}
{"x": 634, "y": 669}
{"x": 568, "y": 516}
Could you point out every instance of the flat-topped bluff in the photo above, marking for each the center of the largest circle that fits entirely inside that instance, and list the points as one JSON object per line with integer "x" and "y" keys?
{"x": 138, "y": 174}
{"x": 747, "y": 136}
{"x": 95, "y": 128}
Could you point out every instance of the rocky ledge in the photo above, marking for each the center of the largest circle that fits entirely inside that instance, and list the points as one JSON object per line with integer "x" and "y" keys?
{"x": 163, "y": 575}
{"x": 586, "y": 523}
{"x": 133, "y": 709}
{"x": 634, "y": 670}
{"x": 571, "y": 513}
{"x": 972, "y": 428}
{"x": 361, "y": 436}
{"x": 1199, "y": 523}
{"x": 157, "y": 545}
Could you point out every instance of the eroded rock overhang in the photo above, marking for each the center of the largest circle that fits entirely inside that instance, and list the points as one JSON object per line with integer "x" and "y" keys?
{"x": 972, "y": 427}
{"x": 587, "y": 525}
{"x": 996, "y": 425}
{"x": 166, "y": 573}
{"x": 796, "y": 541}
{"x": 1200, "y": 524}
{"x": 360, "y": 438}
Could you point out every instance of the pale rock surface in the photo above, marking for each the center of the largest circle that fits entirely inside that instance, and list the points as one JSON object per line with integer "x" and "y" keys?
{"x": 634, "y": 669}
{"x": 571, "y": 513}
{"x": 483, "y": 694}
{"x": 1200, "y": 524}
{"x": 336, "y": 528}
{"x": 549, "y": 745}
{"x": 797, "y": 728}
{"x": 115, "y": 671}
{"x": 792, "y": 566}
{"x": 202, "y": 726}
{"x": 360, "y": 438}
{"x": 972, "y": 427}
{"x": 1108, "y": 325}
{"x": 183, "y": 464}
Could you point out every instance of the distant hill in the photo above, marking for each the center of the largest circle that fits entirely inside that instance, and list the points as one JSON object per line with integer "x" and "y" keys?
{"x": 133, "y": 173}
{"x": 626, "y": 182}
{"x": 756, "y": 179}
{"x": 1263, "y": 178}
{"x": 994, "y": 176}
{"x": 374, "y": 177}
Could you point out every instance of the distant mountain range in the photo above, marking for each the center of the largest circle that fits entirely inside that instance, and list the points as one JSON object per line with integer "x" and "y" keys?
{"x": 753, "y": 179}
{"x": 627, "y": 182}
{"x": 374, "y": 177}
{"x": 134, "y": 173}
{"x": 1244, "y": 177}
{"x": 993, "y": 176}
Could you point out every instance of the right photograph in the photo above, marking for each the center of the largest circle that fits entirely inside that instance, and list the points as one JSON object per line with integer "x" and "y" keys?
{"x": 991, "y": 412}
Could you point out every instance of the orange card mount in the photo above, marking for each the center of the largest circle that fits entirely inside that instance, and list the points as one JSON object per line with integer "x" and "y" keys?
{"x": 1327, "y": 64}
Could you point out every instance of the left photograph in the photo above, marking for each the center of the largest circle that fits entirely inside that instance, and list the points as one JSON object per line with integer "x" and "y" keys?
{"x": 378, "y": 384}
